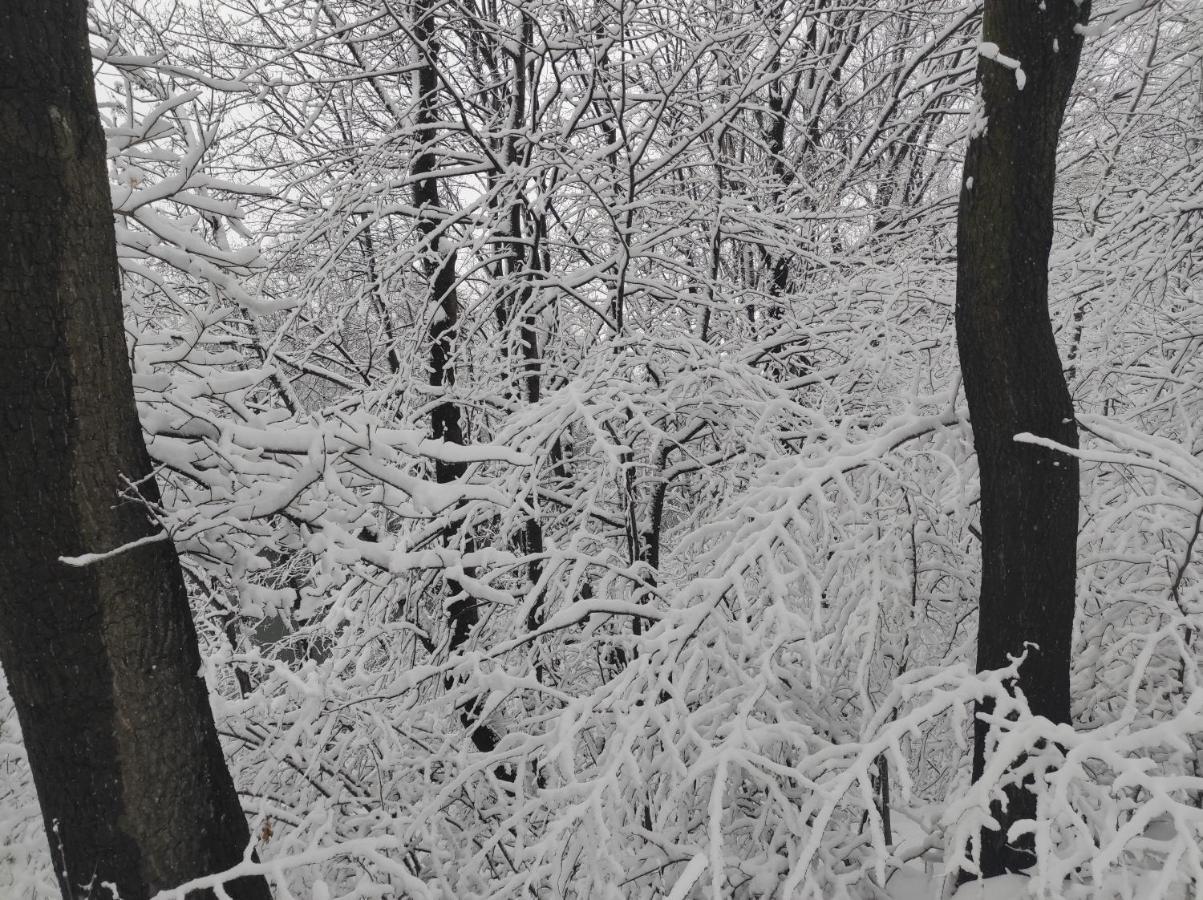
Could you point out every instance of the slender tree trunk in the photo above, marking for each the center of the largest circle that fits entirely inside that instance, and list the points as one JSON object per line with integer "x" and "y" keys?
{"x": 102, "y": 660}
{"x": 1012, "y": 373}
{"x": 775, "y": 261}
{"x": 440, "y": 271}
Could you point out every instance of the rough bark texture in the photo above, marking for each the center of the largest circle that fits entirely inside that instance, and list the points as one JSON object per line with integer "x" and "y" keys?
{"x": 1012, "y": 374}
{"x": 102, "y": 661}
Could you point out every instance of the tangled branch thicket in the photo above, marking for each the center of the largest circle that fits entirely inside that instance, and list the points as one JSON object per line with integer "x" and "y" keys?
{"x": 694, "y": 617}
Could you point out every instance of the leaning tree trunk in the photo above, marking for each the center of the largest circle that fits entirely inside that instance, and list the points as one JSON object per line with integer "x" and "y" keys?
{"x": 102, "y": 660}
{"x": 1012, "y": 374}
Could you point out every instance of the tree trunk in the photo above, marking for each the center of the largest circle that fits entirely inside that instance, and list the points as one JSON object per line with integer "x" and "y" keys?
{"x": 1012, "y": 374}
{"x": 439, "y": 270}
{"x": 102, "y": 660}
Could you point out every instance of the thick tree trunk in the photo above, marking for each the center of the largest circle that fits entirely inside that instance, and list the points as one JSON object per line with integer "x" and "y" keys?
{"x": 102, "y": 660}
{"x": 1012, "y": 374}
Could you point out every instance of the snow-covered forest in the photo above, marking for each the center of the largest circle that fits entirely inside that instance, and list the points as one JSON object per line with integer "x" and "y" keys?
{"x": 557, "y": 412}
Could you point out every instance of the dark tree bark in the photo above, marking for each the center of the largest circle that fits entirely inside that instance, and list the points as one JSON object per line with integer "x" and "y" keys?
{"x": 102, "y": 660}
{"x": 439, "y": 269}
{"x": 1012, "y": 374}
